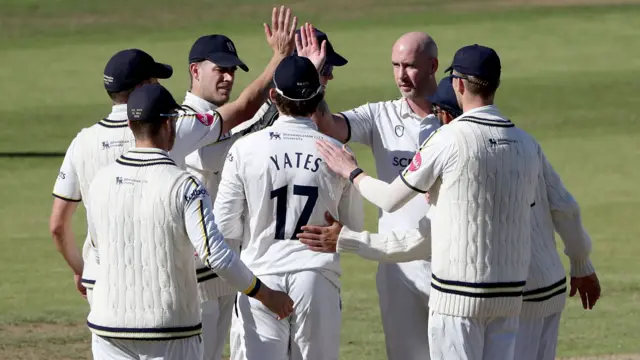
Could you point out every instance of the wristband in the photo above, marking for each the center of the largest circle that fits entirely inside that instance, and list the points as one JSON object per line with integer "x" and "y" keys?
{"x": 355, "y": 173}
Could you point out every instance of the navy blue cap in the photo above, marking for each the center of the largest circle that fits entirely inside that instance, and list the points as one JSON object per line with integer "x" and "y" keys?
{"x": 218, "y": 49}
{"x": 445, "y": 97}
{"x": 296, "y": 78}
{"x": 128, "y": 68}
{"x": 151, "y": 102}
{"x": 333, "y": 58}
{"x": 477, "y": 60}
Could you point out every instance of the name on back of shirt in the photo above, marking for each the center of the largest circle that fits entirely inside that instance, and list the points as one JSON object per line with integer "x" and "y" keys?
{"x": 296, "y": 160}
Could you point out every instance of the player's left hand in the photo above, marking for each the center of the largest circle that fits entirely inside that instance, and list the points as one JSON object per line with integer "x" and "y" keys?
{"x": 307, "y": 46}
{"x": 281, "y": 34}
{"x": 589, "y": 289}
{"x": 340, "y": 160}
{"x": 79, "y": 286}
{"x": 321, "y": 238}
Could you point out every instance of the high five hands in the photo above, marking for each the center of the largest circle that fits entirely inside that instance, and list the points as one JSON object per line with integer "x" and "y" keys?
{"x": 307, "y": 46}
{"x": 281, "y": 34}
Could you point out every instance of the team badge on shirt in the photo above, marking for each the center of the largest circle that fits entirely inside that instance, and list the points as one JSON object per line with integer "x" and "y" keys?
{"x": 416, "y": 162}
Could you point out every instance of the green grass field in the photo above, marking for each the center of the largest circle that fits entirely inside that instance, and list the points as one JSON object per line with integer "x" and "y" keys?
{"x": 570, "y": 77}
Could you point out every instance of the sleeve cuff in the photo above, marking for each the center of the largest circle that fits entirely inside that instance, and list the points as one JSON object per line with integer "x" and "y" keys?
{"x": 348, "y": 241}
{"x": 253, "y": 289}
{"x": 66, "y": 198}
{"x": 581, "y": 268}
{"x": 346, "y": 119}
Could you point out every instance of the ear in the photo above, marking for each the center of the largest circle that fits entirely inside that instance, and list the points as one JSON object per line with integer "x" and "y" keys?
{"x": 458, "y": 85}
{"x": 434, "y": 65}
{"x": 194, "y": 69}
{"x": 272, "y": 95}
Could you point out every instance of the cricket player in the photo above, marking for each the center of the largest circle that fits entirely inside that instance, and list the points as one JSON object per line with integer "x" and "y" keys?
{"x": 392, "y": 130}
{"x": 93, "y": 148}
{"x": 146, "y": 216}
{"x": 213, "y": 61}
{"x": 272, "y": 184}
{"x": 545, "y": 290}
{"x": 482, "y": 174}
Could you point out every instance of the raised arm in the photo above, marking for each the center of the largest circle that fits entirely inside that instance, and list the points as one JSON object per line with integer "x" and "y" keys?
{"x": 338, "y": 126}
{"x": 280, "y": 37}
{"x": 214, "y": 252}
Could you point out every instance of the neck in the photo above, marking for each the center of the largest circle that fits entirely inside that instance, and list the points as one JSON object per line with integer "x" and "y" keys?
{"x": 145, "y": 143}
{"x": 475, "y": 102}
{"x": 195, "y": 90}
{"x": 421, "y": 107}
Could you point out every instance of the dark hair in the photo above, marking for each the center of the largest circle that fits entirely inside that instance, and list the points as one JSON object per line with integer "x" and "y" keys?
{"x": 298, "y": 108}
{"x": 120, "y": 97}
{"x": 145, "y": 130}
{"x": 482, "y": 87}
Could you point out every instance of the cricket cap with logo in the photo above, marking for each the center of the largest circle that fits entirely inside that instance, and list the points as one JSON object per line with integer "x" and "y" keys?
{"x": 297, "y": 79}
{"x": 445, "y": 97}
{"x": 218, "y": 49}
{"x": 151, "y": 102}
{"x": 477, "y": 60}
{"x": 333, "y": 58}
{"x": 128, "y": 68}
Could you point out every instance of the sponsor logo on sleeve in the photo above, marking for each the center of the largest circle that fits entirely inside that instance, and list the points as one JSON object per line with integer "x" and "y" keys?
{"x": 205, "y": 119}
{"x": 416, "y": 162}
{"x": 199, "y": 192}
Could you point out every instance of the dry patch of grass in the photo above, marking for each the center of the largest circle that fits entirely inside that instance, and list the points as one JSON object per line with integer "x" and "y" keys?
{"x": 45, "y": 341}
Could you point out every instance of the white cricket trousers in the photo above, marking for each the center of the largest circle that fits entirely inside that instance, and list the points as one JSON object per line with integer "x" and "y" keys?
{"x": 403, "y": 296}
{"x": 311, "y": 333}
{"x": 216, "y": 321}
{"x": 537, "y": 339}
{"x": 462, "y": 338}
{"x": 119, "y": 349}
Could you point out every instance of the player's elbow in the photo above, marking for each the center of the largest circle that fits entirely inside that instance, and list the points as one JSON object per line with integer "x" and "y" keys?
{"x": 58, "y": 230}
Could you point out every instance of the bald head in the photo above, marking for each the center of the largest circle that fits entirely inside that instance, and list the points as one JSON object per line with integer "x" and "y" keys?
{"x": 415, "y": 62}
{"x": 416, "y": 42}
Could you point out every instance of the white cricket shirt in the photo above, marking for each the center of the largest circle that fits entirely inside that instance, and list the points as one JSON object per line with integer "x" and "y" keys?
{"x": 275, "y": 180}
{"x": 193, "y": 132}
{"x": 146, "y": 216}
{"x": 393, "y": 132}
{"x": 92, "y": 149}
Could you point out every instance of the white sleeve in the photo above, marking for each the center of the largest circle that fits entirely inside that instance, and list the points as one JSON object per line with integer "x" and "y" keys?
{"x": 209, "y": 243}
{"x": 230, "y": 200}
{"x": 361, "y": 123}
{"x": 565, "y": 213}
{"x": 397, "y": 246}
{"x": 67, "y": 186}
{"x": 437, "y": 156}
{"x": 350, "y": 208}
{"x": 194, "y": 131}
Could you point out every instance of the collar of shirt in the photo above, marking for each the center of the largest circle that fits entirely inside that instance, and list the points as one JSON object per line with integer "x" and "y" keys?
{"x": 118, "y": 112}
{"x": 197, "y": 103}
{"x": 488, "y": 111}
{"x": 298, "y": 120}
{"x": 405, "y": 111}
{"x": 144, "y": 153}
